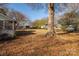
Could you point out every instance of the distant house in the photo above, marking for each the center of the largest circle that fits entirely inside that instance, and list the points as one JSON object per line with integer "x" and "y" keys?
{"x": 70, "y": 28}
{"x": 7, "y": 26}
{"x": 44, "y": 26}
{"x": 23, "y": 24}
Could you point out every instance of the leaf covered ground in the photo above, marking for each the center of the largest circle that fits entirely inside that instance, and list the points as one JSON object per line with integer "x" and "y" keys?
{"x": 34, "y": 43}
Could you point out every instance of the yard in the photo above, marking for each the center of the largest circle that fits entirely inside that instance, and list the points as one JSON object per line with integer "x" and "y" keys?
{"x": 33, "y": 43}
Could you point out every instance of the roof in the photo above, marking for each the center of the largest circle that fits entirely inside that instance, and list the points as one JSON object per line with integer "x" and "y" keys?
{"x": 4, "y": 17}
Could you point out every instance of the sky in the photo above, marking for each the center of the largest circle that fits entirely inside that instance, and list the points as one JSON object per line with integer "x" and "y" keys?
{"x": 28, "y": 11}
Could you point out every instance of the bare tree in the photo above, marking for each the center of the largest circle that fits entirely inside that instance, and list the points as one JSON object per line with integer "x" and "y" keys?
{"x": 66, "y": 7}
{"x": 17, "y": 15}
{"x": 3, "y": 8}
{"x": 50, "y": 9}
{"x": 61, "y": 7}
{"x": 51, "y": 30}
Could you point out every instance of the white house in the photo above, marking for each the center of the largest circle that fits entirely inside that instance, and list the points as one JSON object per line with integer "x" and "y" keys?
{"x": 7, "y": 26}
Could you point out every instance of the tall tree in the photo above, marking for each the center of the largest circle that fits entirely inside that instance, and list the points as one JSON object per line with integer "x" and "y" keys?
{"x": 51, "y": 30}
{"x": 50, "y": 9}
{"x": 69, "y": 19}
{"x": 61, "y": 7}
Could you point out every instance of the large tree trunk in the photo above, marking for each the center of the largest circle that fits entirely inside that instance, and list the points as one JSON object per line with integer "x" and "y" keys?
{"x": 51, "y": 31}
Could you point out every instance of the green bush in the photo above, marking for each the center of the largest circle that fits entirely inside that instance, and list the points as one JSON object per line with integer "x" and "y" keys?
{"x": 38, "y": 23}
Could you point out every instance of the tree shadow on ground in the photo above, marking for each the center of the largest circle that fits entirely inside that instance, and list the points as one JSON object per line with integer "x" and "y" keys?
{"x": 62, "y": 33}
{"x": 76, "y": 32}
{"x": 24, "y": 33}
{"x": 3, "y": 40}
{"x": 18, "y": 34}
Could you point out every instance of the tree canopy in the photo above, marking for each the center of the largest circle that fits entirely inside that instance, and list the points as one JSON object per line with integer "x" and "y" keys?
{"x": 71, "y": 18}
{"x": 40, "y": 22}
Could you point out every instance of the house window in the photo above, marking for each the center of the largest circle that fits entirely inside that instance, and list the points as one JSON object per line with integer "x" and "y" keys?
{"x": 8, "y": 25}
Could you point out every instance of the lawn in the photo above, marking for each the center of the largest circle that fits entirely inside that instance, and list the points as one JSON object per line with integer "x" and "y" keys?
{"x": 34, "y": 43}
